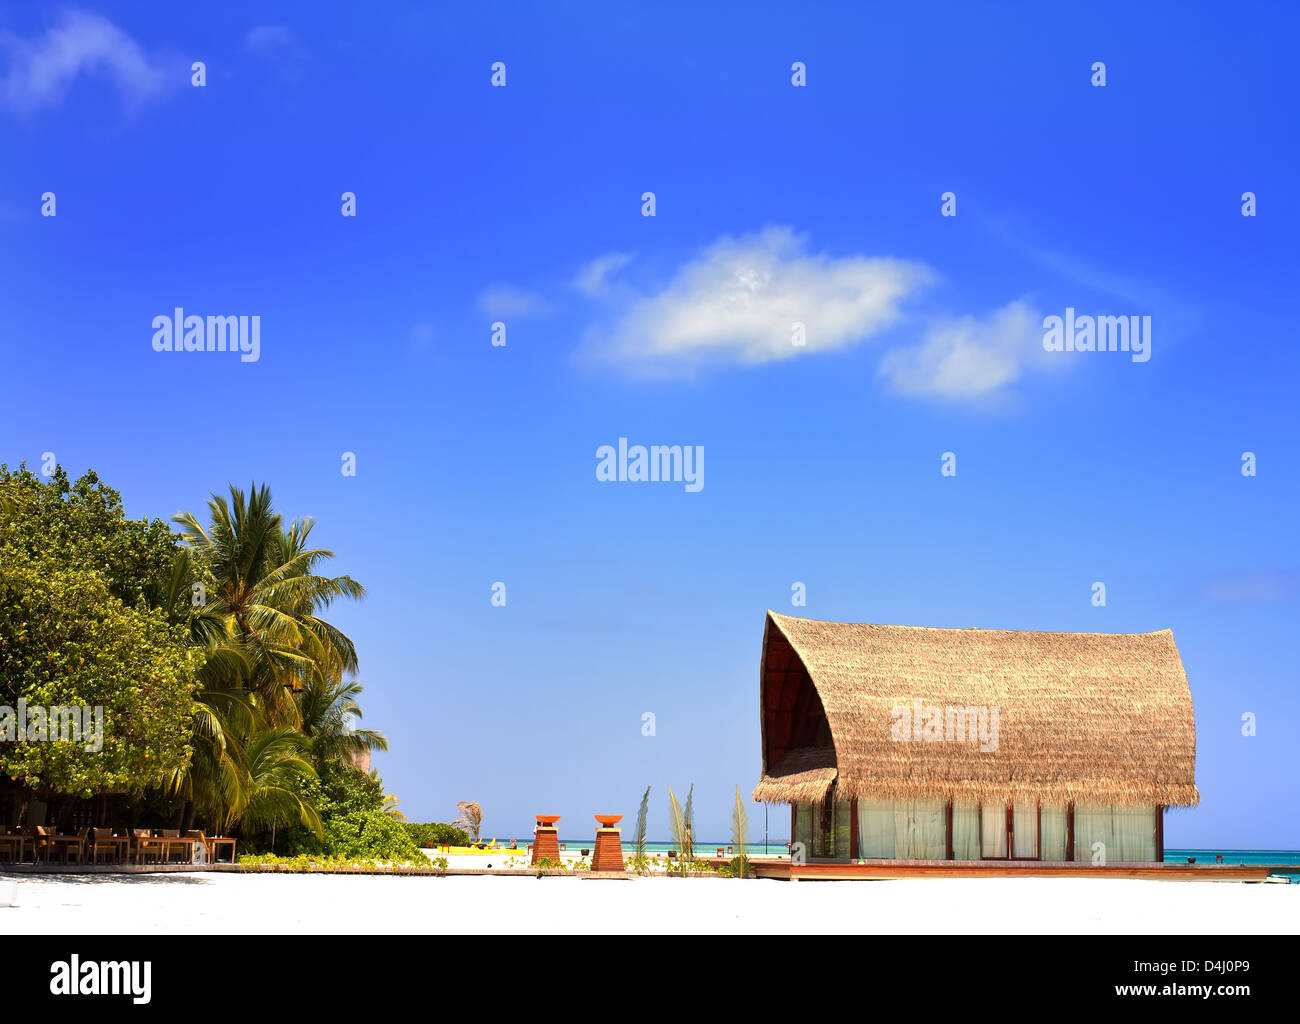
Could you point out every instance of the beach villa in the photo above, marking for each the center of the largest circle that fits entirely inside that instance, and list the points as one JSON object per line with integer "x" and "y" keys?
{"x": 909, "y": 743}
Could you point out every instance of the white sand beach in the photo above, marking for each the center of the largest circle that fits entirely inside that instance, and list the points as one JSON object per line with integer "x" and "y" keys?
{"x": 224, "y": 903}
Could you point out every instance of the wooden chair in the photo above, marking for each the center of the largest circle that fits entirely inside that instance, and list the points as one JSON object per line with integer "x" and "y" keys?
{"x": 42, "y": 844}
{"x": 143, "y": 845}
{"x": 171, "y": 848}
{"x": 100, "y": 840}
{"x": 78, "y": 851}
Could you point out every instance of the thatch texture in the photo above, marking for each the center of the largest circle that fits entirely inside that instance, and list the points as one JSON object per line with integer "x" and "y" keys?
{"x": 803, "y": 775}
{"x": 1093, "y": 717}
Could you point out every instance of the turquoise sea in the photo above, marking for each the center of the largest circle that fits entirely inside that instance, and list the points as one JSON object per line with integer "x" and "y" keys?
{"x": 1239, "y": 857}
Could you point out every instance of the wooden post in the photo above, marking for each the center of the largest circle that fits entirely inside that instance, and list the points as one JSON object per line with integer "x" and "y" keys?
{"x": 1069, "y": 831}
{"x": 854, "y": 844}
{"x": 949, "y": 830}
{"x": 1160, "y": 833}
{"x": 828, "y": 818}
{"x": 1011, "y": 834}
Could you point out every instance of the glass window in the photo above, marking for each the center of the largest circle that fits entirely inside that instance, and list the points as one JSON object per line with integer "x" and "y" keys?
{"x": 1135, "y": 833}
{"x": 993, "y": 821}
{"x": 1024, "y": 828}
{"x": 1056, "y": 828}
{"x": 921, "y": 830}
{"x": 842, "y": 829}
{"x": 875, "y": 829}
{"x": 1093, "y": 824}
{"x": 802, "y": 829}
{"x": 965, "y": 831}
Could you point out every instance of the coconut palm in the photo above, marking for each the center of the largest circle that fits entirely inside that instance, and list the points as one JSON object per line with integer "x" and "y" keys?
{"x": 390, "y": 805}
{"x": 277, "y": 766}
{"x": 470, "y": 818}
{"x": 261, "y": 592}
{"x": 327, "y": 706}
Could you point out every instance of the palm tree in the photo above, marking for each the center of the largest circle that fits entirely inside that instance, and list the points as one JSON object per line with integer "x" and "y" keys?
{"x": 327, "y": 705}
{"x": 277, "y": 766}
{"x": 260, "y": 590}
{"x": 216, "y": 776}
{"x": 390, "y": 804}
{"x": 471, "y": 818}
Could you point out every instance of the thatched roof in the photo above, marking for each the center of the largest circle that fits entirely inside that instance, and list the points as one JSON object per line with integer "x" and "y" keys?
{"x": 1089, "y": 717}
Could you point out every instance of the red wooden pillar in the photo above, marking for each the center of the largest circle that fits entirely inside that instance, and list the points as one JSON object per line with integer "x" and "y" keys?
{"x": 546, "y": 838}
{"x": 855, "y": 848}
{"x": 949, "y": 829}
{"x": 1069, "y": 833}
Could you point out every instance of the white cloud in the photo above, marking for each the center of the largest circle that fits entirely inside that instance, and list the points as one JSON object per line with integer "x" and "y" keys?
{"x": 593, "y": 279}
{"x": 39, "y": 72}
{"x": 268, "y": 39}
{"x": 738, "y": 300}
{"x": 277, "y": 45}
{"x": 507, "y": 300}
{"x": 969, "y": 357}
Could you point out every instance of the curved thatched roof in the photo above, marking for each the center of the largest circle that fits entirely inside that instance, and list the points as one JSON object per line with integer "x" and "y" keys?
{"x": 1095, "y": 717}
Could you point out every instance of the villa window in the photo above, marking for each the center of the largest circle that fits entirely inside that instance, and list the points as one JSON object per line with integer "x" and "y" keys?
{"x": 965, "y": 831}
{"x": 1024, "y": 828}
{"x": 1055, "y": 831}
{"x": 993, "y": 831}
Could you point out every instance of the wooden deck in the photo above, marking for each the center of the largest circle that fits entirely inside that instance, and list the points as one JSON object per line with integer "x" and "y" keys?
{"x": 877, "y": 870}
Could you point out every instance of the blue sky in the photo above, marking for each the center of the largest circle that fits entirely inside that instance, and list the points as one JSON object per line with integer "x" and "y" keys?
{"x": 523, "y": 204}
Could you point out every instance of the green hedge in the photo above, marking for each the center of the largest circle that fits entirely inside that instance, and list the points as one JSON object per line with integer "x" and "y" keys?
{"x": 435, "y": 834}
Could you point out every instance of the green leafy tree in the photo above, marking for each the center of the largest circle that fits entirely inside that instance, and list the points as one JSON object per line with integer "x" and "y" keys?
{"x": 66, "y": 640}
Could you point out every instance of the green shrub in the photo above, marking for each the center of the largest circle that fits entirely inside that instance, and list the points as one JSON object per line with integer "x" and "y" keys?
{"x": 369, "y": 834}
{"x": 435, "y": 833}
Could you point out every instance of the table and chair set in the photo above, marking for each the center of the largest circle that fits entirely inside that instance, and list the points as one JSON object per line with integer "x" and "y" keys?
{"x": 36, "y": 844}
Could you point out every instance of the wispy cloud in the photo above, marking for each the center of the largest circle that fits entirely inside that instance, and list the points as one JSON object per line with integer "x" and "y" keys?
{"x": 969, "y": 357}
{"x": 278, "y": 45}
{"x": 38, "y": 72}
{"x": 505, "y": 300}
{"x": 593, "y": 279}
{"x": 738, "y": 302}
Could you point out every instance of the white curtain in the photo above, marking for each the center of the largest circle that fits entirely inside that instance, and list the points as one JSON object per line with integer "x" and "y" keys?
{"x": 994, "y": 842}
{"x": 1024, "y": 828}
{"x": 875, "y": 828}
{"x": 921, "y": 830}
{"x": 1135, "y": 833}
{"x": 1055, "y": 831}
{"x": 965, "y": 831}
{"x": 1094, "y": 823}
